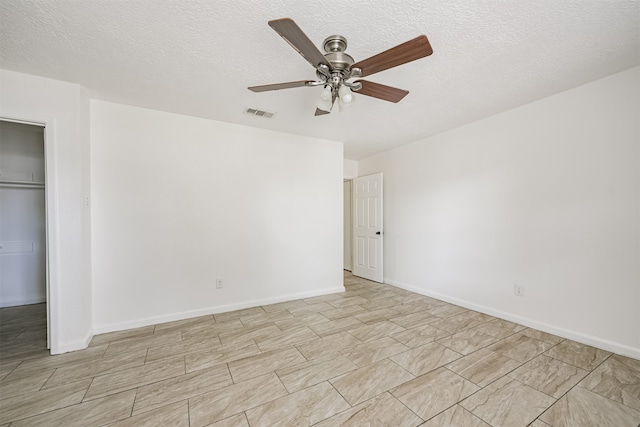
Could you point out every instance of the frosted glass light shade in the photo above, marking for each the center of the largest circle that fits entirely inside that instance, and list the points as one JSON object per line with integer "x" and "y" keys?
{"x": 324, "y": 104}
{"x": 345, "y": 94}
{"x": 326, "y": 94}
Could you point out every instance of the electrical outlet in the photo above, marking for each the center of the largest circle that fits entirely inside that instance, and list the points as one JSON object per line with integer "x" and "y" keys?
{"x": 219, "y": 283}
{"x": 518, "y": 290}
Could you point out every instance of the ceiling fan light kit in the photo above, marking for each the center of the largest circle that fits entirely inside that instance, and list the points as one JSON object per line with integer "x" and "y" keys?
{"x": 335, "y": 68}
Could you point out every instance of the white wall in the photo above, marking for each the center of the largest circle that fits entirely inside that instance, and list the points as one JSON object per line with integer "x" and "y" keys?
{"x": 179, "y": 201}
{"x": 545, "y": 196}
{"x": 22, "y": 215}
{"x": 350, "y": 169}
{"x": 64, "y": 109}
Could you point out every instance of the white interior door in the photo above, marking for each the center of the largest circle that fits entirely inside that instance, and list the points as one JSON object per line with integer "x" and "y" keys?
{"x": 367, "y": 227}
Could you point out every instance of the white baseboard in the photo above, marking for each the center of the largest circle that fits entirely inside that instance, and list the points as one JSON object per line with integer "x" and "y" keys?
{"x": 591, "y": 340}
{"x": 23, "y": 301}
{"x": 66, "y": 347}
{"x": 112, "y": 327}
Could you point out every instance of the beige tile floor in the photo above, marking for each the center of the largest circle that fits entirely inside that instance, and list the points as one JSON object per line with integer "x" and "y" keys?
{"x": 374, "y": 355}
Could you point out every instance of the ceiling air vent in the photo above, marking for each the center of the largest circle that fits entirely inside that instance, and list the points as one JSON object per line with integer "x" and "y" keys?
{"x": 259, "y": 113}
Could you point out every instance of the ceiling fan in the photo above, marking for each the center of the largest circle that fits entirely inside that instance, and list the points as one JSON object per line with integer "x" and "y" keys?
{"x": 335, "y": 69}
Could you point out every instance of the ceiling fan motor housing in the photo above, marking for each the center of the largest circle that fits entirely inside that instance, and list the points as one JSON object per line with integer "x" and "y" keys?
{"x": 335, "y": 43}
{"x": 334, "y": 46}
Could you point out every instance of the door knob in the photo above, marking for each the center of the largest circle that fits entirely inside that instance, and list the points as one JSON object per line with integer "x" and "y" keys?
{"x": 378, "y": 233}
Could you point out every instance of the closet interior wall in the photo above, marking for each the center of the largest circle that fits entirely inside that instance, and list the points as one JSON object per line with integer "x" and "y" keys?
{"x": 22, "y": 215}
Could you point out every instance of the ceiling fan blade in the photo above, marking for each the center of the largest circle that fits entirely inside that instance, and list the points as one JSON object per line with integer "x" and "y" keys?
{"x": 319, "y": 112}
{"x": 298, "y": 40}
{"x": 401, "y": 54}
{"x": 278, "y": 86}
{"x": 384, "y": 92}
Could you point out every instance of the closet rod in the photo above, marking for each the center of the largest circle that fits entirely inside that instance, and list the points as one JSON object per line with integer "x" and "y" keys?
{"x": 18, "y": 184}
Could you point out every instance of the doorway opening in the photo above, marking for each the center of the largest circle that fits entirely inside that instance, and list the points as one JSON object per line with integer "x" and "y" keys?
{"x": 347, "y": 220}
{"x": 24, "y": 325}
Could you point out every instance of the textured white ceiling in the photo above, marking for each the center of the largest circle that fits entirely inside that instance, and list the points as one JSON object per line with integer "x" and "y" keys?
{"x": 197, "y": 57}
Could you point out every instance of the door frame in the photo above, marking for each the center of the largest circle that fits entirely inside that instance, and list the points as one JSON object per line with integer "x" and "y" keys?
{"x": 51, "y": 224}
{"x": 348, "y": 205}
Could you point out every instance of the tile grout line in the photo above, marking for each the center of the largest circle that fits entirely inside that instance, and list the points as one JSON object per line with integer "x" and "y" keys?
{"x": 48, "y": 378}
{"x": 135, "y": 398}
{"x": 403, "y": 404}
{"x": 87, "y": 390}
{"x": 345, "y": 399}
{"x": 105, "y": 351}
{"x": 146, "y": 355}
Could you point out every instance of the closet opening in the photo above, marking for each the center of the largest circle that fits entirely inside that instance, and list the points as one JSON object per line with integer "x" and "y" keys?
{"x": 24, "y": 311}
